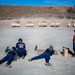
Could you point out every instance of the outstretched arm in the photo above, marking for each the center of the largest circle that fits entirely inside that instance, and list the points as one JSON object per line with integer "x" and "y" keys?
{"x": 55, "y": 53}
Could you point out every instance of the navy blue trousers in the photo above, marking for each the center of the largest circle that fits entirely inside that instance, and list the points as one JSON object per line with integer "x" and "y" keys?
{"x": 8, "y": 58}
{"x": 74, "y": 47}
{"x": 20, "y": 52}
{"x": 44, "y": 55}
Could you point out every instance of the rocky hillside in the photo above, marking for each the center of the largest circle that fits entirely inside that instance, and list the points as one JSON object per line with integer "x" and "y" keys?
{"x": 9, "y": 12}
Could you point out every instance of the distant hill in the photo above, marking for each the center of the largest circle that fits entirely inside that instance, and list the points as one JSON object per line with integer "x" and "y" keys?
{"x": 9, "y": 12}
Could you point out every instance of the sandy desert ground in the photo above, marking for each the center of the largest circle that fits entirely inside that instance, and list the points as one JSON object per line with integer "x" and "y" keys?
{"x": 43, "y": 37}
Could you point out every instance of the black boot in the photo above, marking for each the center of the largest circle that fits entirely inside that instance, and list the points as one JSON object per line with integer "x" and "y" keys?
{"x": 73, "y": 55}
{"x": 48, "y": 64}
{"x": 30, "y": 59}
{"x": 7, "y": 65}
{"x": 23, "y": 57}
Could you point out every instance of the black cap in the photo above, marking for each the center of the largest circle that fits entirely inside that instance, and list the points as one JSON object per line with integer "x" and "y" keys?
{"x": 20, "y": 39}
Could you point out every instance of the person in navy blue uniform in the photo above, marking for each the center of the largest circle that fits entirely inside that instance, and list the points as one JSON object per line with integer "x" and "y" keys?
{"x": 21, "y": 48}
{"x": 9, "y": 57}
{"x": 48, "y": 52}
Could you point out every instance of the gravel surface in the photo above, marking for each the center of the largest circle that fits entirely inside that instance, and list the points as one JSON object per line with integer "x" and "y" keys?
{"x": 43, "y": 37}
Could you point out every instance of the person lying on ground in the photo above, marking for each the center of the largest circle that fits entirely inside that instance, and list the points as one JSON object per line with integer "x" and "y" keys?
{"x": 9, "y": 57}
{"x": 46, "y": 55}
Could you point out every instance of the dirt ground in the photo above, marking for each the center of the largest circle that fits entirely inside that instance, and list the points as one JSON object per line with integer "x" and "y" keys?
{"x": 43, "y": 37}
